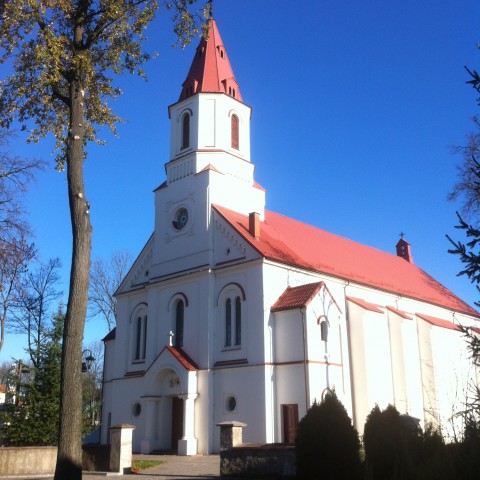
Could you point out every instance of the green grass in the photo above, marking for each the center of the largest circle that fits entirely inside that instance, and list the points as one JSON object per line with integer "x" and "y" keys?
{"x": 138, "y": 465}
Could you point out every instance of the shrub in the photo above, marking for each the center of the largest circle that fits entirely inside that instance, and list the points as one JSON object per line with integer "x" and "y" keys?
{"x": 433, "y": 458}
{"x": 466, "y": 453}
{"x": 391, "y": 445}
{"x": 327, "y": 445}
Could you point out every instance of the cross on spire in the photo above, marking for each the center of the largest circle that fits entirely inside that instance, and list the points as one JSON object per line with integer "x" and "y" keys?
{"x": 210, "y": 8}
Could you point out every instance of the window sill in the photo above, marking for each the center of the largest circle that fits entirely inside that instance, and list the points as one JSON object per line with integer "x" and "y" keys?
{"x": 232, "y": 347}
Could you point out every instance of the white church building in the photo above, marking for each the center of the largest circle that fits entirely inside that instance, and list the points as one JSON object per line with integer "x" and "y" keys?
{"x": 235, "y": 313}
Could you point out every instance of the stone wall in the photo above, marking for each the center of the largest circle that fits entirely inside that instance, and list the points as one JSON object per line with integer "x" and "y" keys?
{"x": 96, "y": 458}
{"x": 116, "y": 457}
{"x": 21, "y": 460}
{"x": 270, "y": 459}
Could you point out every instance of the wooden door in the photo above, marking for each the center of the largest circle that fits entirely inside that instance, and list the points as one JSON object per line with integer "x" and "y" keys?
{"x": 177, "y": 421}
{"x": 290, "y": 422}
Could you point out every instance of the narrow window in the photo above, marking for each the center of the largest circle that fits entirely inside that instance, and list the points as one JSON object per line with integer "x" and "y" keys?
{"x": 238, "y": 321}
{"x": 228, "y": 323}
{"x": 140, "y": 338}
{"x": 138, "y": 342}
{"x": 235, "y": 133}
{"x": 186, "y": 131}
{"x": 324, "y": 330}
{"x": 144, "y": 339}
{"x": 179, "y": 322}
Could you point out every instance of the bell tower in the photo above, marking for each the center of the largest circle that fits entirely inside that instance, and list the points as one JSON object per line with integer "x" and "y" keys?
{"x": 209, "y": 150}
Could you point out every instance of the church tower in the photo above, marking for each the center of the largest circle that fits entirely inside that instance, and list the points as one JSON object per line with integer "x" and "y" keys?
{"x": 209, "y": 160}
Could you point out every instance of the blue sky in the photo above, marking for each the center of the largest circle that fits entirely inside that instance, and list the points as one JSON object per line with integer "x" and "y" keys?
{"x": 355, "y": 107}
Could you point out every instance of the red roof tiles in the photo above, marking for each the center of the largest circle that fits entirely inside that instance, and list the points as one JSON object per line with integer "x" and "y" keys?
{"x": 182, "y": 357}
{"x": 297, "y": 297}
{"x": 291, "y": 242}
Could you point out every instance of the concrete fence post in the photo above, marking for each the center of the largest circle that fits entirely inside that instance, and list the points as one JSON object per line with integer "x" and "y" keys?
{"x": 231, "y": 434}
{"x": 121, "y": 448}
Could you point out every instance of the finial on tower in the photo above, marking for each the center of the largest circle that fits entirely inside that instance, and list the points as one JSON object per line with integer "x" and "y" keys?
{"x": 210, "y": 8}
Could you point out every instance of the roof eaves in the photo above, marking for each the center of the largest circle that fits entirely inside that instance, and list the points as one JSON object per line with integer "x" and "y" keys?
{"x": 400, "y": 313}
{"x": 438, "y": 322}
{"x": 366, "y": 305}
{"x": 111, "y": 335}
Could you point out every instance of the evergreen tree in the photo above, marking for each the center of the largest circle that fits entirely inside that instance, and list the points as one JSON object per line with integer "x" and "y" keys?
{"x": 469, "y": 252}
{"x": 32, "y": 420}
{"x": 327, "y": 445}
{"x": 394, "y": 446}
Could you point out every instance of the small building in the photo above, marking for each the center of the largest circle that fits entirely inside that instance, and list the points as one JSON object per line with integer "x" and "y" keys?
{"x": 3, "y": 393}
{"x": 232, "y": 312}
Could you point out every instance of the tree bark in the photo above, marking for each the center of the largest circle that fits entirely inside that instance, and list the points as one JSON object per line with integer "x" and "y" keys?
{"x": 69, "y": 459}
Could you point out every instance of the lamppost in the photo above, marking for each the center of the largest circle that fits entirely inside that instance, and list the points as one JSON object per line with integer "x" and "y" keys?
{"x": 89, "y": 383}
{"x": 87, "y": 360}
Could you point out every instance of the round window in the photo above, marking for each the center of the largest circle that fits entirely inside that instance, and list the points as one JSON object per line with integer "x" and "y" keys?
{"x": 231, "y": 403}
{"x": 180, "y": 218}
{"x": 137, "y": 409}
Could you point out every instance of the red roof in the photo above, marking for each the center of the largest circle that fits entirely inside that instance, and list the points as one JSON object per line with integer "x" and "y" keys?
{"x": 291, "y": 242}
{"x": 400, "y": 313}
{"x": 297, "y": 297}
{"x": 438, "y": 322}
{"x": 210, "y": 70}
{"x": 365, "y": 305}
{"x": 300, "y": 296}
{"x": 182, "y": 357}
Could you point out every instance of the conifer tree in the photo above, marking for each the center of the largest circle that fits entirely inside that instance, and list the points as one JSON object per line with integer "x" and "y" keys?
{"x": 327, "y": 444}
{"x": 32, "y": 419}
{"x": 469, "y": 252}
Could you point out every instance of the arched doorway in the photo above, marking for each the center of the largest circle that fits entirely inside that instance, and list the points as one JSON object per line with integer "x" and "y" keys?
{"x": 169, "y": 423}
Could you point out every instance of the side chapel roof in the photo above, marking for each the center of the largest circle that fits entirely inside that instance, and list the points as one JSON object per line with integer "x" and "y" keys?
{"x": 291, "y": 242}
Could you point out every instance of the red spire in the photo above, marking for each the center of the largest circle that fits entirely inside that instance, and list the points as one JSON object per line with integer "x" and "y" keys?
{"x": 210, "y": 70}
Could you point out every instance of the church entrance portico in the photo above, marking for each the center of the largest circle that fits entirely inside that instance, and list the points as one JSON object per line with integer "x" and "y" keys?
{"x": 169, "y": 405}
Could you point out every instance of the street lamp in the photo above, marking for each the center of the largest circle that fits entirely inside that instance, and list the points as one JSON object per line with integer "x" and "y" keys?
{"x": 87, "y": 360}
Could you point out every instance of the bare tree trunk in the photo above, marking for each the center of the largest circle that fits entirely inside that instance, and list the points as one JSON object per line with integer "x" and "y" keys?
{"x": 69, "y": 460}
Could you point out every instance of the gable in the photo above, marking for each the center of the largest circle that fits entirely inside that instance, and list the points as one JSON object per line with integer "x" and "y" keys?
{"x": 230, "y": 247}
{"x": 291, "y": 242}
{"x": 139, "y": 273}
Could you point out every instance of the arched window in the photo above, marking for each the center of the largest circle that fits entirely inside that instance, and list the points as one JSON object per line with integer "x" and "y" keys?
{"x": 230, "y": 302}
{"x": 235, "y": 133}
{"x": 140, "y": 346}
{"x": 324, "y": 330}
{"x": 233, "y": 321}
{"x": 186, "y": 130}
{"x": 179, "y": 323}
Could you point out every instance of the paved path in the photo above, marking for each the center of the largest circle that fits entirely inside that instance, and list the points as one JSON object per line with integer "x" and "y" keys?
{"x": 198, "y": 467}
